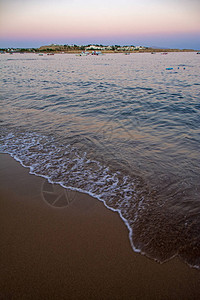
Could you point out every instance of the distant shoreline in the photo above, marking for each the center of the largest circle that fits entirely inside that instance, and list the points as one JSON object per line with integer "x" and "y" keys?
{"x": 103, "y": 52}
{"x": 74, "y": 49}
{"x": 110, "y": 51}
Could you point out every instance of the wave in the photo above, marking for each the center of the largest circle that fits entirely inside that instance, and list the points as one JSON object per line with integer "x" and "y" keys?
{"x": 154, "y": 229}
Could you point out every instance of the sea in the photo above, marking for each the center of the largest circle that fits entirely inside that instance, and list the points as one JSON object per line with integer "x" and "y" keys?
{"x": 122, "y": 128}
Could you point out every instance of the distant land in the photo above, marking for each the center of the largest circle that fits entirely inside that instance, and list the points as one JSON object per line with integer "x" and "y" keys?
{"x": 54, "y": 48}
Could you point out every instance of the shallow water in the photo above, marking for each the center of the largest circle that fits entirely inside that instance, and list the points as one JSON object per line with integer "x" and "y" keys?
{"x": 121, "y": 128}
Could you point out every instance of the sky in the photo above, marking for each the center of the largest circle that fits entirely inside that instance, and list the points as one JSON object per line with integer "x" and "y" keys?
{"x": 160, "y": 23}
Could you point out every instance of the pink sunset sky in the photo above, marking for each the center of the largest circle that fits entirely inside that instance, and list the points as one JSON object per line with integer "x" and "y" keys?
{"x": 162, "y": 23}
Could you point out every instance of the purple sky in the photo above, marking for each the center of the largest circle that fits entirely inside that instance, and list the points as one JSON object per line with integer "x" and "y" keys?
{"x": 161, "y": 23}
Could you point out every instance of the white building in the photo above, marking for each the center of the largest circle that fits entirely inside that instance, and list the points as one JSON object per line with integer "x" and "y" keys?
{"x": 94, "y": 47}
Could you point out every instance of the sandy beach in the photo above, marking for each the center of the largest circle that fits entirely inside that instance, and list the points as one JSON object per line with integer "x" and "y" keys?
{"x": 61, "y": 245}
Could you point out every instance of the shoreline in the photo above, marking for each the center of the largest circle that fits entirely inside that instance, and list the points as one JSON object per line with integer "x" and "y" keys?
{"x": 76, "y": 190}
{"x": 57, "y": 243}
{"x": 150, "y": 51}
{"x": 72, "y": 192}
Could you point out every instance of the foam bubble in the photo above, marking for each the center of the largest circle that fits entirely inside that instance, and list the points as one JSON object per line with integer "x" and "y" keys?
{"x": 72, "y": 168}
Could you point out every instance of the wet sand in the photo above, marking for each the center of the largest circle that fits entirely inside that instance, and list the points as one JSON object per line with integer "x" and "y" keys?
{"x": 60, "y": 245}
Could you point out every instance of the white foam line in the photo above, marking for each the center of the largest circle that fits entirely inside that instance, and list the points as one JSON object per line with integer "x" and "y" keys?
{"x": 194, "y": 266}
{"x": 96, "y": 197}
{"x": 81, "y": 191}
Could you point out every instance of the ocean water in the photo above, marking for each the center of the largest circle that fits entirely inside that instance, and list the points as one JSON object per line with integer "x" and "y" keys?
{"x": 121, "y": 128}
